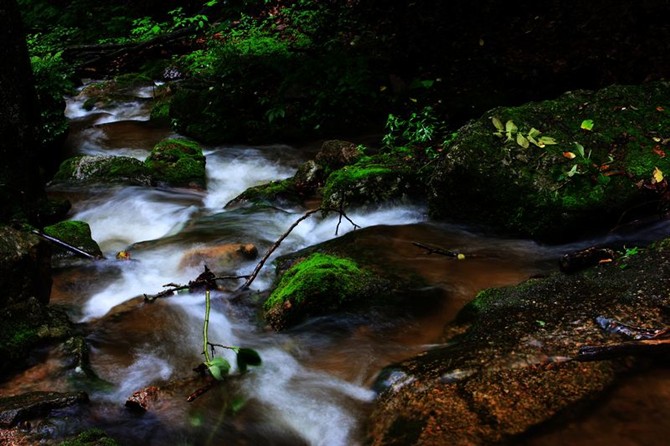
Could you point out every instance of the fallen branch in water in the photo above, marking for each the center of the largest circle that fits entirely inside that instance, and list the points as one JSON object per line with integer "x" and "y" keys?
{"x": 67, "y": 246}
{"x": 647, "y": 342}
{"x": 436, "y": 250}
{"x": 206, "y": 280}
{"x": 654, "y": 347}
{"x": 276, "y": 244}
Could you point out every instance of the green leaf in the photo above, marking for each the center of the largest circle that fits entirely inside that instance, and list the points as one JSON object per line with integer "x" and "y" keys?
{"x": 533, "y": 133}
{"x": 510, "y": 129}
{"x": 497, "y": 123}
{"x": 546, "y": 141}
{"x": 572, "y": 171}
{"x": 603, "y": 179}
{"x": 587, "y": 124}
{"x": 247, "y": 357}
{"x": 218, "y": 367}
{"x": 522, "y": 141}
{"x": 580, "y": 149}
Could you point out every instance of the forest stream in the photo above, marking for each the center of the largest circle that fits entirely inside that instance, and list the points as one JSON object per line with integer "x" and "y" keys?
{"x": 315, "y": 383}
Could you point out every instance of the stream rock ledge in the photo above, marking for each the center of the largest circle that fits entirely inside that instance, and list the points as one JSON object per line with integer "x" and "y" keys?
{"x": 511, "y": 360}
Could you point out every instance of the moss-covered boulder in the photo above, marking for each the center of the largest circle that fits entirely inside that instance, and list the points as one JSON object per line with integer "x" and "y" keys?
{"x": 557, "y": 169}
{"x": 74, "y": 233}
{"x": 371, "y": 181}
{"x": 512, "y": 360}
{"x": 344, "y": 275}
{"x": 25, "y": 267}
{"x": 275, "y": 193}
{"x": 178, "y": 163}
{"x": 103, "y": 170}
{"x": 316, "y": 285}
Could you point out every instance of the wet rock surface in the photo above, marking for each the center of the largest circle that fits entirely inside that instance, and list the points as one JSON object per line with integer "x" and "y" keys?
{"x": 511, "y": 361}
{"x": 559, "y": 169}
{"x": 29, "y": 405}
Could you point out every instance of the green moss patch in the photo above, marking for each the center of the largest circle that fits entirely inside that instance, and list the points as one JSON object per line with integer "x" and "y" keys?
{"x": 178, "y": 162}
{"x": 102, "y": 169}
{"x": 318, "y": 284}
{"x": 75, "y": 233}
{"x": 274, "y": 192}
{"x": 371, "y": 181}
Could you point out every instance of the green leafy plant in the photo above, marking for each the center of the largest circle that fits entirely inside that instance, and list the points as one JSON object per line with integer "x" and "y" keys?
{"x": 626, "y": 256}
{"x": 420, "y": 131}
{"x": 511, "y": 132}
{"x": 218, "y": 366}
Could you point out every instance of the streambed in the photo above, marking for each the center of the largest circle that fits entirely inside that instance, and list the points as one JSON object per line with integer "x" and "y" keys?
{"x": 314, "y": 386}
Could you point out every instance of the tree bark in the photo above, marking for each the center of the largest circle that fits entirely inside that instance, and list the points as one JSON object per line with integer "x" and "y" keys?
{"x": 21, "y": 185}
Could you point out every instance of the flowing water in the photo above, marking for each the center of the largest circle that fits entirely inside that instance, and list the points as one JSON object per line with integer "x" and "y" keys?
{"x": 314, "y": 386}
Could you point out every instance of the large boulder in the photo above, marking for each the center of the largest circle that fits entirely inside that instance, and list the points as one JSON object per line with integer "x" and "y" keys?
{"x": 25, "y": 268}
{"x": 515, "y": 359}
{"x": 343, "y": 275}
{"x": 178, "y": 163}
{"x": 25, "y": 318}
{"x": 75, "y": 233}
{"x": 556, "y": 169}
{"x": 88, "y": 169}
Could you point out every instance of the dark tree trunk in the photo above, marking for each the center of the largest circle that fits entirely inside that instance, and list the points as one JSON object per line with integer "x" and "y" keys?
{"x": 21, "y": 186}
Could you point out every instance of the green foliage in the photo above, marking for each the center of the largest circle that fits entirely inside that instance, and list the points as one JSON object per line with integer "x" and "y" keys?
{"x": 421, "y": 131}
{"x": 290, "y": 73}
{"x": 53, "y": 79}
{"x": 509, "y": 130}
{"x": 219, "y": 367}
{"x": 146, "y": 28}
{"x": 91, "y": 437}
{"x": 626, "y": 255}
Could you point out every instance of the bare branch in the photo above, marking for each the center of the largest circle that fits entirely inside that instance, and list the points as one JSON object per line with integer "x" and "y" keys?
{"x": 278, "y": 242}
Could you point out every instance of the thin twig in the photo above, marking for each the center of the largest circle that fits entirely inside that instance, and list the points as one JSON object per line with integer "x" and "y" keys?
{"x": 278, "y": 242}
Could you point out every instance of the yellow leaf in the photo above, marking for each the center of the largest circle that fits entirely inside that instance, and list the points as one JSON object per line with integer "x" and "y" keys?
{"x": 657, "y": 175}
{"x": 460, "y": 256}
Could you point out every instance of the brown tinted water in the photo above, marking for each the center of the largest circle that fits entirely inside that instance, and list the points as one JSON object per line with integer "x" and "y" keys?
{"x": 314, "y": 385}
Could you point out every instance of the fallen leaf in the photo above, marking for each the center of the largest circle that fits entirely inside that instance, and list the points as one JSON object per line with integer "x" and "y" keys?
{"x": 569, "y": 155}
{"x": 659, "y": 108}
{"x": 657, "y": 175}
{"x": 658, "y": 151}
{"x": 587, "y": 124}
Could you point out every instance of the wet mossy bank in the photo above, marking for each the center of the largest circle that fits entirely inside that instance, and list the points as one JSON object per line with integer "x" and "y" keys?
{"x": 554, "y": 171}
{"x": 560, "y": 169}
{"x": 511, "y": 361}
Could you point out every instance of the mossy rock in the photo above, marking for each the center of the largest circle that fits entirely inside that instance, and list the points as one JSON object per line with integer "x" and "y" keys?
{"x": 372, "y": 181}
{"x": 316, "y": 285}
{"x": 178, "y": 163}
{"x": 75, "y": 233}
{"x": 275, "y": 193}
{"x": 26, "y": 325}
{"x": 507, "y": 364}
{"x": 346, "y": 275}
{"x": 559, "y": 191}
{"x": 91, "y": 437}
{"x": 87, "y": 169}
{"x": 25, "y": 267}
